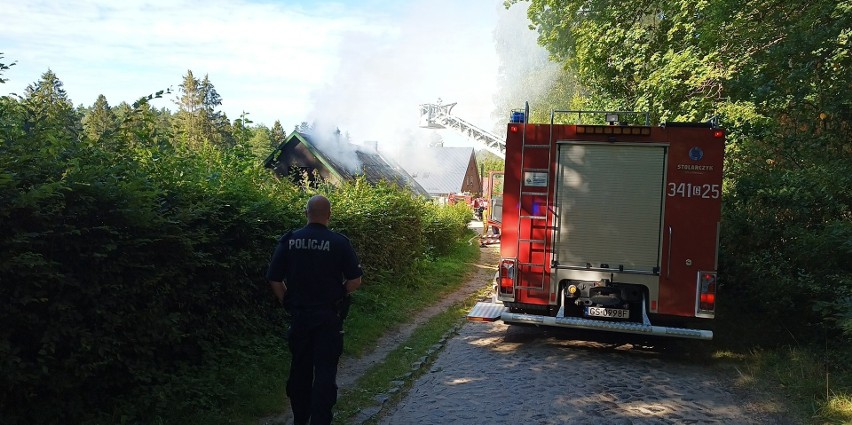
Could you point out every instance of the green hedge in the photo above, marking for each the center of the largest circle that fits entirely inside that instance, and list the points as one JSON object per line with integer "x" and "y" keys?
{"x": 443, "y": 225}
{"x": 112, "y": 281}
{"x": 125, "y": 267}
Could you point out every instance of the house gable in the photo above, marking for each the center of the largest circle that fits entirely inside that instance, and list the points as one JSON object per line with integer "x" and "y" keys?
{"x": 299, "y": 152}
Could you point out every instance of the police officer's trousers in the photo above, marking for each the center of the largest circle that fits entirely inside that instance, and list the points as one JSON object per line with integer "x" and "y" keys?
{"x": 316, "y": 343}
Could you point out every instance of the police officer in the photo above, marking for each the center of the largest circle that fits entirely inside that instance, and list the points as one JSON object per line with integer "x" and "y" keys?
{"x": 312, "y": 272}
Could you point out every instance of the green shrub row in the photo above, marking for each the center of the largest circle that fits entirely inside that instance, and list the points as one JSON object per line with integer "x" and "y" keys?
{"x": 126, "y": 263}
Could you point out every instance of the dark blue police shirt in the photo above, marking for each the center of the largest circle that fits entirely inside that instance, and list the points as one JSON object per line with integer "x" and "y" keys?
{"x": 314, "y": 261}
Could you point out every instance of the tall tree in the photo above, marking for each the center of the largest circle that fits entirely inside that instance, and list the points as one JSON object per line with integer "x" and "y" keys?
{"x": 261, "y": 142}
{"x": 219, "y": 130}
{"x": 278, "y": 135}
{"x": 303, "y": 127}
{"x": 648, "y": 56}
{"x": 192, "y": 124}
{"x": 242, "y": 128}
{"x": 99, "y": 120}
{"x": 210, "y": 98}
{"x": 688, "y": 60}
{"x": 198, "y": 121}
{"x": 190, "y": 120}
{"x": 51, "y": 117}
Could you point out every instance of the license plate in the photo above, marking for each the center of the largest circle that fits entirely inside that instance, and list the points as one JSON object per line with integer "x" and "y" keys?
{"x": 615, "y": 313}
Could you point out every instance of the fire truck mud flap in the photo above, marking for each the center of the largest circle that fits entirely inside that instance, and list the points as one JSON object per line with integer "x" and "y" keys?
{"x": 486, "y": 312}
{"x": 600, "y": 325}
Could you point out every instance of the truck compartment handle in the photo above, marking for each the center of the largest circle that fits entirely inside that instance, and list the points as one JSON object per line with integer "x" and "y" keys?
{"x": 669, "y": 263}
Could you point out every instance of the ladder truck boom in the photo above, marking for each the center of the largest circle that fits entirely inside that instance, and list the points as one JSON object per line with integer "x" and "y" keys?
{"x": 439, "y": 116}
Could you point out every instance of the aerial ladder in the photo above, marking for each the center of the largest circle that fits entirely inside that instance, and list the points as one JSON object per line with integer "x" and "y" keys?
{"x": 439, "y": 116}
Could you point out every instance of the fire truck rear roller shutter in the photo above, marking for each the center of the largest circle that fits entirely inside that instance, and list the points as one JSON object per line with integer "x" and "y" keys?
{"x": 607, "y": 217}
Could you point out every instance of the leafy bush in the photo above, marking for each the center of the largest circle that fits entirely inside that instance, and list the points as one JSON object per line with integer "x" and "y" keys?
{"x": 114, "y": 279}
{"x": 383, "y": 222}
{"x": 130, "y": 262}
{"x": 445, "y": 225}
{"x": 787, "y": 251}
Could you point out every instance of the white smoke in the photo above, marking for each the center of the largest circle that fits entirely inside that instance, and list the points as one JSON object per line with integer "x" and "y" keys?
{"x": 335, "y": 143}
{"x": 467, "y": 52}
{"x": 526, "y": 72}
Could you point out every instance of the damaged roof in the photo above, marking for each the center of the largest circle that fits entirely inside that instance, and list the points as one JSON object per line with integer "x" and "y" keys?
{"x": 337, "y": 159}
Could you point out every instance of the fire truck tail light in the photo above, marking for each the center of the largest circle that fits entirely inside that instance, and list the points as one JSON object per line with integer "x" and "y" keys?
{"x": 718, "y": 134}
{"x": 706, "y": 294}
{"x": 507, "y": 275}
{"x": 513, "y": 128}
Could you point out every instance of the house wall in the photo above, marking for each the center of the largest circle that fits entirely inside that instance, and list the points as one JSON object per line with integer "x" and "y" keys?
{"x": 472, "y": 182}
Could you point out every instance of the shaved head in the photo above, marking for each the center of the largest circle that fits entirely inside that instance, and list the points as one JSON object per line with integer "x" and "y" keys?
{"x": 318, "y": 209}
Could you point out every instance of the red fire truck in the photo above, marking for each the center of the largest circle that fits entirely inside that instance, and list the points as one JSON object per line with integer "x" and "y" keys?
{"x": 609, "y": 226}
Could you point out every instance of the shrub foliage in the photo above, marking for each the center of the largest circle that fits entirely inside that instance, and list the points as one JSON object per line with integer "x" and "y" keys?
{"x": 130, "y": 256}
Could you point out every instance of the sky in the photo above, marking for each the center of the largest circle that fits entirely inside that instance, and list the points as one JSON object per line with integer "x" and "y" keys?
{"x": 364, "y": 67}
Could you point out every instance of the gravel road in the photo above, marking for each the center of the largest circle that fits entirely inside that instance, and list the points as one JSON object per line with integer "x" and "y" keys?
{"x": 493, "y": 373}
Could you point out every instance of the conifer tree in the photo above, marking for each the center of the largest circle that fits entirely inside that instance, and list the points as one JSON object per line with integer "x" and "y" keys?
{"x": 198, "y": 121}
{"x": 261, "y": 142}
{"x": 304, "y": 127}
{"x": 278, "y": 135}
{"x": 51, "y": 117}
{"x": 210, "y": 98}
{"x": 100, "y": 120}
{"x": 242, "y": 131}
{"x": 189, "y": 122}
{"x": 218, "y": 128}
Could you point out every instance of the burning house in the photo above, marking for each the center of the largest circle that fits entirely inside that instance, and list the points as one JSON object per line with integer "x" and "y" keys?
{"x": 307, "y": 156}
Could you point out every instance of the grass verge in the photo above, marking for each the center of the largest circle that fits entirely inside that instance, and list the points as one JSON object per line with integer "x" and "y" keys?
{"x": 378, "y": 308}
{"x": 813, "y": 386}
{"x": 811, "y": 381}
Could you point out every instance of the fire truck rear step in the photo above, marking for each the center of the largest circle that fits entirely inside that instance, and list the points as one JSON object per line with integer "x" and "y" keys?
{"x": 626, "y": 327}
{"x": 486, "y": 312}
